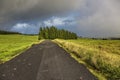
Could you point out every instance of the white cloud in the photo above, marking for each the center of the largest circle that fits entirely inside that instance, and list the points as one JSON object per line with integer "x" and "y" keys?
{"x": 21, "y": 26}
{"x": 57, "y": 21}
{"x": 54, "y": 21}
{"x": 25, "y": 28}
{"x": 34, "y": 28}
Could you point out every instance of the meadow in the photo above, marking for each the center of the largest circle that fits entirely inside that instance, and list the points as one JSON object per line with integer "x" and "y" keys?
{"x": 13, "y": 45}
{"x": 102, "y": 56}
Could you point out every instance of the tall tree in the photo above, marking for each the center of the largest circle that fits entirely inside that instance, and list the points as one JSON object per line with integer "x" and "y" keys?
{"x": 53, "y": 33}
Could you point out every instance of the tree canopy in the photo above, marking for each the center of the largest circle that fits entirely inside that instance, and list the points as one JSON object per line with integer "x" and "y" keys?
{"x": 53, "y": 33}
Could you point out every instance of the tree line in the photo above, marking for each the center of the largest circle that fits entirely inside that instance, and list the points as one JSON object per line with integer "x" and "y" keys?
{"x": 8, "y": 32}
{"x": 53, "y": 33}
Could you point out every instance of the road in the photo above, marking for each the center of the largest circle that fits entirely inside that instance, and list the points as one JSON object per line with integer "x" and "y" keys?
{"x": 44, "y": 61}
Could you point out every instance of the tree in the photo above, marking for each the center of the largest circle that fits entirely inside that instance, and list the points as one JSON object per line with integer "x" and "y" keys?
{"x": 53, "y": 33}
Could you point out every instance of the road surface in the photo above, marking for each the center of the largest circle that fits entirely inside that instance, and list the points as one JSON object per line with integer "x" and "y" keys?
{"x": 45, "y": 61}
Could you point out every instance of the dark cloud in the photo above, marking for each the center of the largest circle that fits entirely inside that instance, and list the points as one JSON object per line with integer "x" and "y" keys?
{"x": 100, "y": 18}
{"x": 27, "y": 10}
{"x": 93, "y": 18}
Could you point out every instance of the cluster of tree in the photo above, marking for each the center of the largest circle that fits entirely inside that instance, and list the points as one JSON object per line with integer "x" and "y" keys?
{"x": 53, "y": 33}
{"x": 8, "y": 32}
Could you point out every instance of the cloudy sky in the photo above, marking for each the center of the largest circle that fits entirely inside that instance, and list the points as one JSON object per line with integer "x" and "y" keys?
{"x": 90, "y": 18}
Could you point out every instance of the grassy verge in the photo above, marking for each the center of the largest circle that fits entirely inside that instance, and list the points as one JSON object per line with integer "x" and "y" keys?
{"x": 96, "y": 55}
{"x": 13, "y": 45}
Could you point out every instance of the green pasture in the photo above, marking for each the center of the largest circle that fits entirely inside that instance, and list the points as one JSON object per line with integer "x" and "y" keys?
{"x": 12, "y": 45}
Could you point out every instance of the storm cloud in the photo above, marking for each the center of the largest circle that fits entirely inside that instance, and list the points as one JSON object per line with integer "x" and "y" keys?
{"x": 100, "y": 18}
{"x": 93, "y": 18}
{"x": 12, "y": 11}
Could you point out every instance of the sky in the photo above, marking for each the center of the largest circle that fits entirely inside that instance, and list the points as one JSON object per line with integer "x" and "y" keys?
{"x": 88, "y": 18}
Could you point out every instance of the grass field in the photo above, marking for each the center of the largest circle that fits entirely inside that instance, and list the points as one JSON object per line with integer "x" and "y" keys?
{"x": 102, "y": 55}
{"x": 12, "y": 45}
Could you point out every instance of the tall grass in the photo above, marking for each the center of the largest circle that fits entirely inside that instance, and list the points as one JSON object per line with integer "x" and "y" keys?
{"x": 102, "y": 55}
{"x": 12, "y": 45}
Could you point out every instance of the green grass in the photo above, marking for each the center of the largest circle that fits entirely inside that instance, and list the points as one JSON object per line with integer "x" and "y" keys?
{"x": 102, "y": 55}
{"x": 12, "y": 45}
{"x": 110, "y": 46}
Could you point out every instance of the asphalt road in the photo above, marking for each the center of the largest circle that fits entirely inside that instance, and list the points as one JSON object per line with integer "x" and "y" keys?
{"x": 45, "y": 61}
